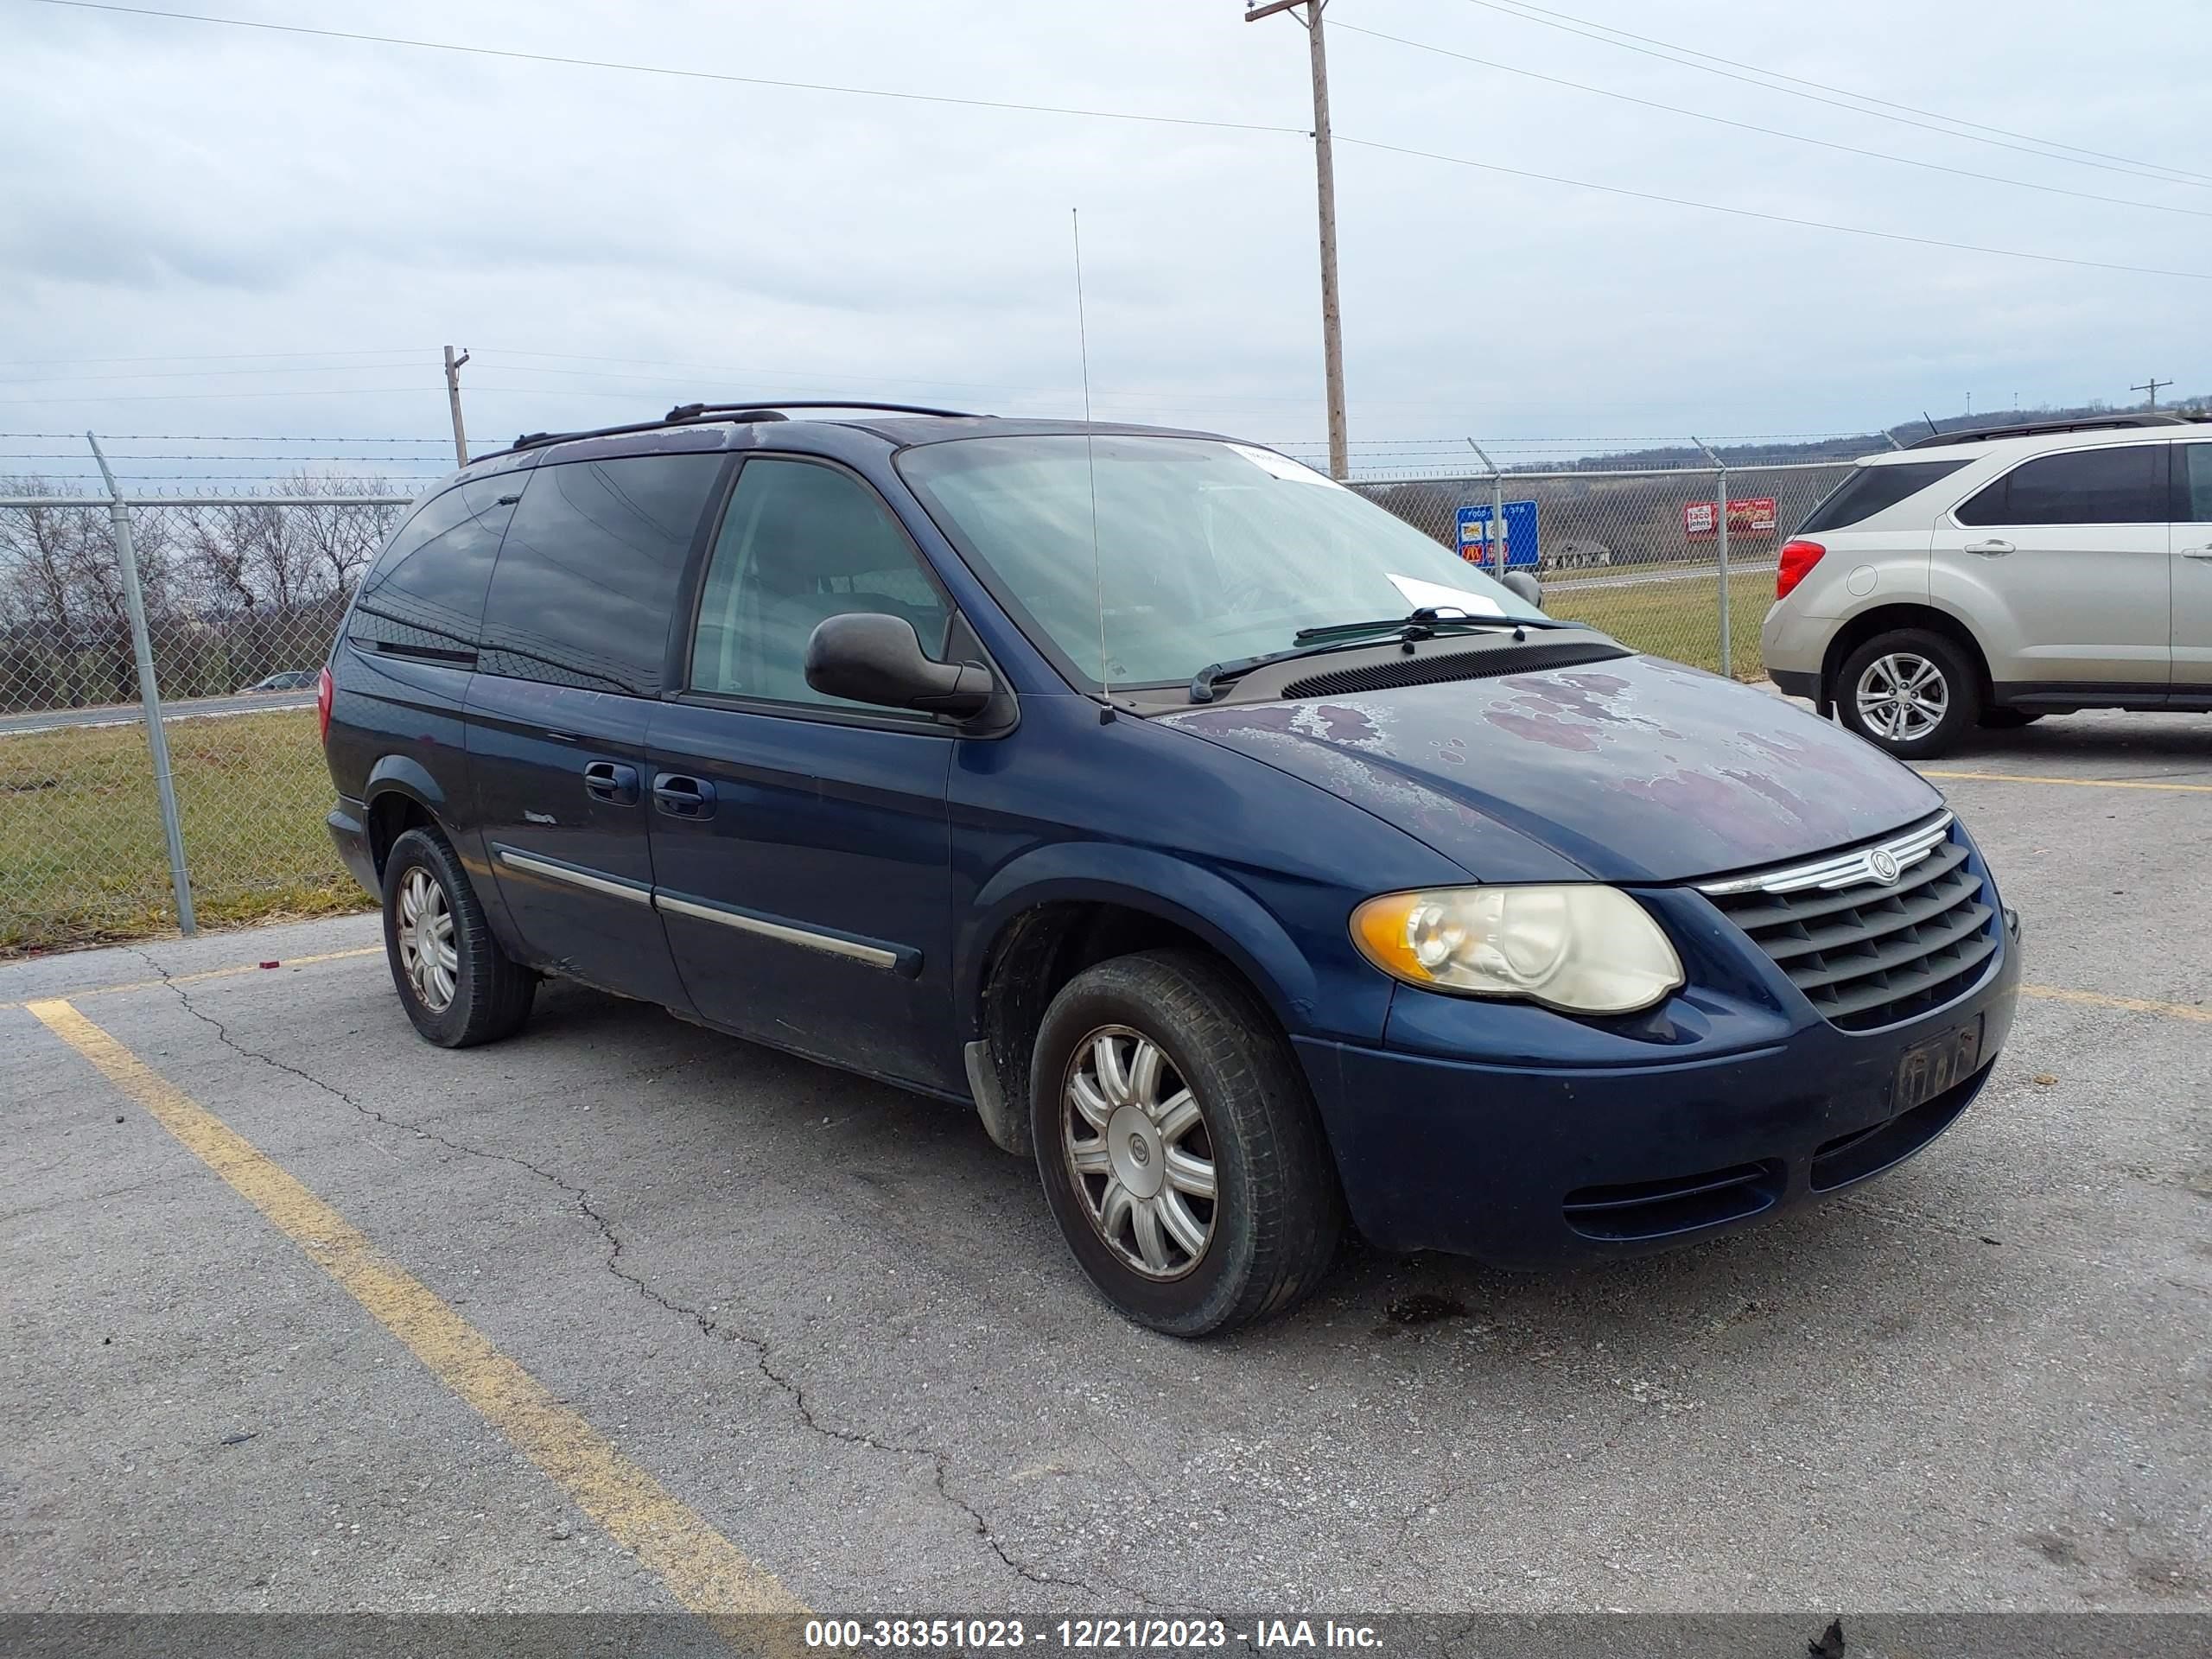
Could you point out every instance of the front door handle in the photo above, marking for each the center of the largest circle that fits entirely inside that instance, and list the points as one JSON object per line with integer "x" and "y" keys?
{"x": 681, "y": 796}
{"x": 606, "y": 780}
{"x": 1990, "y": 549}
{"x": 2196, "y": 552}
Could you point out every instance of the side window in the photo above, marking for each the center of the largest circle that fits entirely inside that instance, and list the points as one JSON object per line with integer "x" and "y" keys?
{"x": 801, "y": 543}
{"x": 2193, "y": 483}
{"x": 425, "y": 595}
{"x": 2125, "y": 485}
{"x": 586, "y": 581}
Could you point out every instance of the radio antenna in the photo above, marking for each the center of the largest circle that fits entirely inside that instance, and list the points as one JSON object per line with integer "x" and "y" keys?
{"x": 1090, "y": 462}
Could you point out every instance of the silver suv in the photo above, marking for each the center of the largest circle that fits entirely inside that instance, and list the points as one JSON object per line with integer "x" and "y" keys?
{"x": 1990, "y": 578}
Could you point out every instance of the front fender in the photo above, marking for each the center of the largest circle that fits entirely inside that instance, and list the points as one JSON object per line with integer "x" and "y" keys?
{"x": 1224, "y": 915}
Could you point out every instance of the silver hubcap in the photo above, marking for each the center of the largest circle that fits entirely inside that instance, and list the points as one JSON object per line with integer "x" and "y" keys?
{"x": 1138, "y": 1152}
{"x": 1903, "y": 696}
{"x": 426, "y": 947}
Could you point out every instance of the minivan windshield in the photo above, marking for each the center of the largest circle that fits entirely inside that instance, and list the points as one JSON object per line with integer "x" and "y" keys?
{"x": 1205, "y": 551}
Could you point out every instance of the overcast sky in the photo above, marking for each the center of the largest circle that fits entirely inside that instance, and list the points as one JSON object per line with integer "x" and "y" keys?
{"x": 178, "y": 197}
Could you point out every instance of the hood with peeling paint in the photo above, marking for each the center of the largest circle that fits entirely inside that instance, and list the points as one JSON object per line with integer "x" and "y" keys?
{"x": 1634, "y": 770}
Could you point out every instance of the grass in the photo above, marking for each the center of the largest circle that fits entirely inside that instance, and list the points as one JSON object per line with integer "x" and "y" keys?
{"x": 81, "y": 855}
{"x": 1677, "y": 618}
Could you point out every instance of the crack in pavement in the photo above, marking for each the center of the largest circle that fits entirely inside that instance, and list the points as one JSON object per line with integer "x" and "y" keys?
{"x": 709, "y": 1325}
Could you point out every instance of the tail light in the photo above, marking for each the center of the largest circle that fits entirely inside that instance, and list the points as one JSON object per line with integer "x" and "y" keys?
{"x": 1797, "y": 562}
{"x": 322, "y": 692}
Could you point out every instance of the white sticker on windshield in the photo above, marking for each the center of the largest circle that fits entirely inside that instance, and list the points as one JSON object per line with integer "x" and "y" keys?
{"x": 1434, "y": 595}
{"x": 1283, "y": 467}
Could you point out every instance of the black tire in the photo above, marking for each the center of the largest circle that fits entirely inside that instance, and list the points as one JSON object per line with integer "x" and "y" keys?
{"x": 490, "y": 992}
{"x": 1277, "y": 1216}
{"x": 1958, "y": 682}
{"x": 2009, "y": 720}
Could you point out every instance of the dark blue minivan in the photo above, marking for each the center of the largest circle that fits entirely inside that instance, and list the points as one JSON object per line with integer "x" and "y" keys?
{"x": 1243, "y": 854}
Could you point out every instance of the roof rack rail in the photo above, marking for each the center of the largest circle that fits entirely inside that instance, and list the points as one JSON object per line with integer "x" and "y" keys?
{"x": 2038, "y": 428}
{"x": 686, "y": 412}
{"x": 694, "y": 412}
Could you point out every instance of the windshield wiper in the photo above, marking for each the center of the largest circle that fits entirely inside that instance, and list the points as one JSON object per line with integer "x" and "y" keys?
{"x": 1420, "y": 624}
{"x": 1318, "y": 641}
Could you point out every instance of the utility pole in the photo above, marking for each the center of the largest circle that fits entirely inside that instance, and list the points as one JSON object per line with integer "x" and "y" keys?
{"x": 1324, "y": 181}
{"x": 2151, "y": 386}
{"x": 453, "y": 396}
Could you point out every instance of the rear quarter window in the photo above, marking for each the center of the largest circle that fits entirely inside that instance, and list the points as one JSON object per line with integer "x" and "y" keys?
{"x": 425, "y": 595}
{"x": 1870, "y": 490}
{"x": 586, "y": 581}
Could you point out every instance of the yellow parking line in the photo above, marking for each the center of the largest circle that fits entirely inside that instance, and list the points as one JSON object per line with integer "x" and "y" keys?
{"x": 215, "y": 973}
{"x": 2074, "y": 782}
{"x": 703, "y": 1569}
{"x": 2132, "y": 1004}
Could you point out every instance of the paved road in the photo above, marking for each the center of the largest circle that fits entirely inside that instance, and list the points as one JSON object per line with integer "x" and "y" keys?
{"x": 257, "y": 702}
{"x": 1704, "y": 572}
{"x": 835, "y": 1332}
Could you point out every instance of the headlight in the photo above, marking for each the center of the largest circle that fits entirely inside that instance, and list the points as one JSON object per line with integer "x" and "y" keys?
{"x": 1587, "y": 948}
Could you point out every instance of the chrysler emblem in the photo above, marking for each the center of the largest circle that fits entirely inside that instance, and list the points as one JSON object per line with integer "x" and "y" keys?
{"x": 1884, "y": 864}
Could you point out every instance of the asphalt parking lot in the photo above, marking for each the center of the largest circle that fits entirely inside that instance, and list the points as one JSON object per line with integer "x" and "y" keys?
{"x": 625, "y": 1315}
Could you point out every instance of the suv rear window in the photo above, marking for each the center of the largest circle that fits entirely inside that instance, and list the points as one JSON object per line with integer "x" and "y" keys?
{"x": 1871, "y": 489}
{"x": 2122, "y": 484}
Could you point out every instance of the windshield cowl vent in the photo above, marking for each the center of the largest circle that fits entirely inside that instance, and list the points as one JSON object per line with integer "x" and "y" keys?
{"x": 1439, "y": 667}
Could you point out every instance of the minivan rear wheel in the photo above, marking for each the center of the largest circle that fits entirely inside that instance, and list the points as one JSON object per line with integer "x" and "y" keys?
{"x": 1178, "y": 1145}
{"x": 1913, "y": 692}
{"x": 456, "y": 984}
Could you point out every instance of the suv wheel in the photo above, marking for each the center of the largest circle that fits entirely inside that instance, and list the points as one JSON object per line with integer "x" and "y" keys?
{"x": 456, "y": 984}
{"x": 1178, "y": 1145}
{"x": 1913, "y": 692}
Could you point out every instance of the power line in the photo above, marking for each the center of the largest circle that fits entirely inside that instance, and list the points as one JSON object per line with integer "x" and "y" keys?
{"x": 1775, "y": 132}
{"x": 1560, "y": 19}
{"x": 215, "y": 357}
{"x": 192, "y": 437}
{"x": 663, "y": 69}
{"x": 1779, "y": 219}
{"x": 199, "y": 374}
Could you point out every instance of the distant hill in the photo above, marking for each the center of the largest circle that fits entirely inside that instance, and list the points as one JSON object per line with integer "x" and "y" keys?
{"x": 1846, "y": 448}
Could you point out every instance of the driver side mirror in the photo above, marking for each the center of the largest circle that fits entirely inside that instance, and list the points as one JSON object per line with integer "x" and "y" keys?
{"x": 867, "y": 657}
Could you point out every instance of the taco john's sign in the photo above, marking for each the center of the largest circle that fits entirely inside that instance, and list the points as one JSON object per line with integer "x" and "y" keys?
{"x": 1752, "y": 516}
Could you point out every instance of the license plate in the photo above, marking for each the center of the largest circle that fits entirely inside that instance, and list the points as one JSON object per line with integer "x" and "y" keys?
{"x": 1927, "y": 1069}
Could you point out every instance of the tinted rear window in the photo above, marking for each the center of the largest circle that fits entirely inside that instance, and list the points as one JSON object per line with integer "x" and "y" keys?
{"x": 2124, "y": 485}
{"x": 1870, "y": 489}
{"x": 426, "y": 592}
{"x": 586, "y": 579}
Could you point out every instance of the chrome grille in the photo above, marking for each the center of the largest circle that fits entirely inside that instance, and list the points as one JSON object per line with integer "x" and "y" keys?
{"x": 1875, "y": 934}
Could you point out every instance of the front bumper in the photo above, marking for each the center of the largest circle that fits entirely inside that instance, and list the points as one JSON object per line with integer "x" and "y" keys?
{"x": 1527, "y": 1166}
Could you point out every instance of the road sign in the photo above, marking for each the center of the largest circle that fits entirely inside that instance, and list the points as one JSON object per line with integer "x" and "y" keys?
{"x": 1521, "y": 548}
{"x": 1748, "y": 516}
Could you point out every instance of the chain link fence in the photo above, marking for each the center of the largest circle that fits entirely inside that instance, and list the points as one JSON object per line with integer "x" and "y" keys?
{"x": 236, "y": 600}
{"x": 1637, "y": 553}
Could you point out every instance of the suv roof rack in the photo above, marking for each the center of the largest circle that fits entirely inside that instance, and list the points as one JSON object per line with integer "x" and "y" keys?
{"x": 2038, "y": 429}
{"x": 686, "y": 412}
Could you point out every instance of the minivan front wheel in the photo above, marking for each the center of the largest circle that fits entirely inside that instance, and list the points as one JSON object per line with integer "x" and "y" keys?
{"x": 1178, "y": 1145}
{"x": 457, "y": 986}
{"x": 1912, "y": 692}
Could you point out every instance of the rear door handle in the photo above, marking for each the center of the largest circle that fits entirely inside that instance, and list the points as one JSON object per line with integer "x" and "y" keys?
{"x": 1991, "y": 550}
{"x": 681, "y": 796}
{"x": 2196, "y": 552}
{"x": 606, "y": 780}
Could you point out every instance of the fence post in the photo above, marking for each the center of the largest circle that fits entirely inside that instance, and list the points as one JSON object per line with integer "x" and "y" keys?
{"x": 149, "y": 696}
{"x": 1720, "y": 528}
{"x": 1496, "y": 512}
